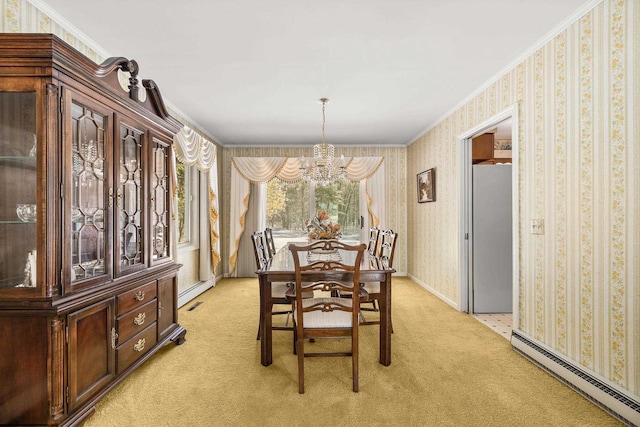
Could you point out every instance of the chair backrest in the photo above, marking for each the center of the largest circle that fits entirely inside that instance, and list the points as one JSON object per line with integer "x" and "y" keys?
{"x": 387, "y": 243}
{"x": 260, "y": 250}
{"x": 319, "y": 268}
{"x": 372, "y": 247}
{"x": 271, "y": 246}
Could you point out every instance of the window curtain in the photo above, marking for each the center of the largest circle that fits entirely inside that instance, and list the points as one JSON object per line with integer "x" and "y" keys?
{"x": 240, "y": 192}
{"x": 191, "y": 148}
{"x": 255, "y": 219}
{"x": 257, "y": 170}
{"x": 375, "y": 192}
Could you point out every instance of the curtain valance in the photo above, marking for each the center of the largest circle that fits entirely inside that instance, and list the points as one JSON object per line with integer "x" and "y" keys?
{"x": 287, "y": 169}
{"x": 193, "y": 149}
{"x": 258, "y": 169}
{"x": 360, "y": 168}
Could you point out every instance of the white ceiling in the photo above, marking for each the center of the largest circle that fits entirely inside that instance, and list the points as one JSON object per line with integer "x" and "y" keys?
{"x": 250, "y": 72}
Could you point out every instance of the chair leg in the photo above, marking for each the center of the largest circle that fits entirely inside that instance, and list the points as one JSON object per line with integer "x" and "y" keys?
{"x": 295, "y": 339}
{"x": 354, "y": 362}
{"x": 260, "y": 324}
{"x": 300, "y": 350}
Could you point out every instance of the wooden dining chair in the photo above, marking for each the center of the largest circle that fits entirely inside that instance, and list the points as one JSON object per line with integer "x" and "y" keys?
{"x": 271, "y": 246}
{"x": 386, "y": 250}
{"x": 325, "y": 316}
{"x": 278, "y": 289}
{"x": 372, "y": 246}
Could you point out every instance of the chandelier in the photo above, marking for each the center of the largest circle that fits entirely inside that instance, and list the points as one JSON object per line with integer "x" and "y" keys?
{"x": 322, "y": 169}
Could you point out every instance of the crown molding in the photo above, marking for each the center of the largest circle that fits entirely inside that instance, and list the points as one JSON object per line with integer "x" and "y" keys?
{"x": 69, "y": 27}
{"x": 192, "y": 123}
{"x": 337, "y": 147}
{"x": 570, "y": 20}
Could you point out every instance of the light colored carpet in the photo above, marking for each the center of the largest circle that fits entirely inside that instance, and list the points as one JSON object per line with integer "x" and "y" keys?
{"x": 447, "y": 370}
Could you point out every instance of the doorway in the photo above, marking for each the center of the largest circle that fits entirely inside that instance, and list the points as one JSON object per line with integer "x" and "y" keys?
{"x": 489, "y": 221}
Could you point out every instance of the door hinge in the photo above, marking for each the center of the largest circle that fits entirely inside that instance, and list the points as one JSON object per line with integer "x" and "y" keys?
{"x": 61, "y": 191}
{"x": 66, "y": 334}
{"x": 61, "y": 105}
{"x": 466, "y": 236}
{"x": 67, "y": 396}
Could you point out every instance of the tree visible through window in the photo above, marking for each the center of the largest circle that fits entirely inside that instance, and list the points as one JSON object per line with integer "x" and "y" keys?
{"x": 287, "y": 209}
{"x": 288, "y": 206}
{"x": 184, "y": 201}
{"x": 341, "y": 200}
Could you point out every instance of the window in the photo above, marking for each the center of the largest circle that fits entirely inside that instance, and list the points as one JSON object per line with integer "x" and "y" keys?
{"x": 341, "y": 200}
{"x": 287, "y": 209}
{"x": 289, "y": 205}
{"x": 187, "y": 204}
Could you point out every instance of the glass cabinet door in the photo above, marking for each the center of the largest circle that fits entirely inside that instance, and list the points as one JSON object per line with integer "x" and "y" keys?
{"x": 89, "y": 183}
{"x": 18, "y": 180}
{"x": 129, "y": 202}
{"x": 160, "y": 199}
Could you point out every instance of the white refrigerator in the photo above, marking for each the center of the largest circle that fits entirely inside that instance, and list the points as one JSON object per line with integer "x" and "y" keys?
{"x": 492, "y": 281}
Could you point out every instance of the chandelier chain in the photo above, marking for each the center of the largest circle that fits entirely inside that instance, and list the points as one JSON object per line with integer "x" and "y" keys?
{"x": 324, "y": 102}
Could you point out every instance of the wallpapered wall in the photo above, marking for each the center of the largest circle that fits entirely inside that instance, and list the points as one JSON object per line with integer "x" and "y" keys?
{"x": 20, "y": 16}
{"x": 395, "y": 162}
{"x": 579, "y": 170}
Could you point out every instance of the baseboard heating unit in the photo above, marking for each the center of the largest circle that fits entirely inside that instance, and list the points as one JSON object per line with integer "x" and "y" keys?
{"x": 611, "y": 400}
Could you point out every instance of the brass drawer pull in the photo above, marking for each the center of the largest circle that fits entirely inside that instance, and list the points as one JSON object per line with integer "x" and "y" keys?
{"x": 139, "y": 346}
{"x": 139, "y": 296}
{"x": 114, "y": 337}
{"x": 139, "y": 319}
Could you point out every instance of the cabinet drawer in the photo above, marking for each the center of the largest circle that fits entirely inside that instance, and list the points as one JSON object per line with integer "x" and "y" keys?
{"x": 136, "y": 320}
{"x": 135, "y": 298}
{"x": 135, "y": 347}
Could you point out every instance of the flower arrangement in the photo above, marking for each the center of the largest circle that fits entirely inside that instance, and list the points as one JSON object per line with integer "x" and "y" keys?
{"x": 321, "y": 227}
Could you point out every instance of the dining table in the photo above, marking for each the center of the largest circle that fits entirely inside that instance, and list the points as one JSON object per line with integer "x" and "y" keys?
{"x": 281, "y": 269}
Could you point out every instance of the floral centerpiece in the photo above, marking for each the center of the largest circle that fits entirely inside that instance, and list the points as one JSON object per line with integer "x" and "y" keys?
{"x": 320, "y": 227}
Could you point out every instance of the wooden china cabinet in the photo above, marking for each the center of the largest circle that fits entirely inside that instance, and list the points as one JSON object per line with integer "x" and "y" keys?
{"x": 88, "y": 286}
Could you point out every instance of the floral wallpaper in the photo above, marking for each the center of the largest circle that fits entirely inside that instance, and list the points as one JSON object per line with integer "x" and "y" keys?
{"x": 21, "y": 16}
{"x": 579, "y": 170}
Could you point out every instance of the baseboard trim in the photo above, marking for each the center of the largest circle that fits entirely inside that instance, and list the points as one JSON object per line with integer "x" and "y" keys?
{"x": 193, "y": 292}
{"x": 613, "y": 401}
{"x": 436, "y": 293}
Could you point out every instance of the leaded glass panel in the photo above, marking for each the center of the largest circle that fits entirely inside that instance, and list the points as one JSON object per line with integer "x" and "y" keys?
{"x": 88, "y": 194}
{"x": 159, "y": 202}
{"x": 129, "y": 197}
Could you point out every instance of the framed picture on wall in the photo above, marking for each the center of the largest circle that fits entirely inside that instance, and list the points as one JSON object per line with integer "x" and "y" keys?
{"x": 427, "y": 186}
